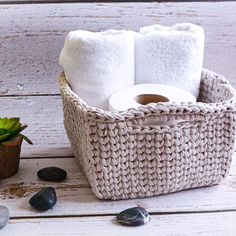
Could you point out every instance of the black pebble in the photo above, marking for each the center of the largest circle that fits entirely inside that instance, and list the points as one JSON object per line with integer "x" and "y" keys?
{"x": 134, "y": 216}
{"x": 44, "y": 199}
{"x": 53, "y": 174}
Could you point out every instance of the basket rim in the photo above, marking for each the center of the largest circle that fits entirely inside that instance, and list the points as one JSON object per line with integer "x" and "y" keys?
{"x": 154, "y": 109}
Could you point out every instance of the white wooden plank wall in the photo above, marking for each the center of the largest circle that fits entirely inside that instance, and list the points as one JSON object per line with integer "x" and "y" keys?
{"x": 32, "y": 35}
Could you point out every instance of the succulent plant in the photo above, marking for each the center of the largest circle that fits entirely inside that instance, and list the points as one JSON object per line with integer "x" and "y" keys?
{"x": 10, "y": 128}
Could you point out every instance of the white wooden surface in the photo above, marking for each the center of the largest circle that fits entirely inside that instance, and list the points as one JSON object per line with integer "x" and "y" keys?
{"x": 204, "y": 211}
{"x": 31, "y": 37}
{"x": 75, "y": 197}
{"x": 214, "y": 224}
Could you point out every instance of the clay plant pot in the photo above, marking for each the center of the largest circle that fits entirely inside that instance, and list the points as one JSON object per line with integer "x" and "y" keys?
{"x": 10, "y": 157}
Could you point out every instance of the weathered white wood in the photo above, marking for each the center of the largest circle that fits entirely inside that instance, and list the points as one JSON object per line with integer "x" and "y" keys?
{"x": 217, "y": 224}
{"x": 31, "y": 36}
{"x": 43, "y": 115}
{"x": 75, "y": 196}
{"x": 64, "y": 1}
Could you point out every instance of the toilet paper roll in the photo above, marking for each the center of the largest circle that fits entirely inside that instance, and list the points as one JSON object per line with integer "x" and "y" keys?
{"x": 143, "y": 94}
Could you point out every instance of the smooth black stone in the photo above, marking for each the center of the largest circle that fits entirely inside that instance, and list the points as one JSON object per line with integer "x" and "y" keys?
{"x": 44, "y": 199}
{"x": 4, "y": 216}
{"x": 134, "y": 216}
{"x": 53, "y": 174}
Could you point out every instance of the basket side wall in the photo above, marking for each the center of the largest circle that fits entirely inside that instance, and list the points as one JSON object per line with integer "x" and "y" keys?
{"x": 133, "y": 164}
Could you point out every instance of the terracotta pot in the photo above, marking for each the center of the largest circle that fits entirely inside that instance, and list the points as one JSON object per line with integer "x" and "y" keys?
{"x": 10, "y": 157}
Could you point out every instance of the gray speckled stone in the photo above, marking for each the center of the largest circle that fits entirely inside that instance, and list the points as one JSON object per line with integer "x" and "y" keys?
{"x": 134, "y": 216}
{"x": 4, "y": 216}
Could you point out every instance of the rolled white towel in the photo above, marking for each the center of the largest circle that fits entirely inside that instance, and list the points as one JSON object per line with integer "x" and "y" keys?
{"x": 170, "y": 55}
{"x": 97, "y": 64}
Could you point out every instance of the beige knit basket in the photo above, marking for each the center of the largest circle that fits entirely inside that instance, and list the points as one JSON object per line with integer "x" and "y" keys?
{"x": 155, "y": 149}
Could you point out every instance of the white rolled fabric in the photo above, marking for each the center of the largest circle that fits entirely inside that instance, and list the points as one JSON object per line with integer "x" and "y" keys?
{"x": 98, "y": 64}
{"x": 170, "y": 55}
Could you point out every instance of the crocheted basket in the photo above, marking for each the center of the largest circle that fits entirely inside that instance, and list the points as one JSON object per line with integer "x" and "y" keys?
{"x": 155, "y": 149}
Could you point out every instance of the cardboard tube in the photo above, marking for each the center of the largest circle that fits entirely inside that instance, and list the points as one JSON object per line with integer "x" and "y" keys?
{"x": 145, "y": 99}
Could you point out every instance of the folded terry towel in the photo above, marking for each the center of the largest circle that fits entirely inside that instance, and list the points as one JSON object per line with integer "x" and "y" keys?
{"x": 170, "y": 55}
{"x": 98, "y": 64}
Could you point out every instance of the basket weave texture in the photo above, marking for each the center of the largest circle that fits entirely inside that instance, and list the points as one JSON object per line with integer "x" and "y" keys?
{"x": 155, "y": 149}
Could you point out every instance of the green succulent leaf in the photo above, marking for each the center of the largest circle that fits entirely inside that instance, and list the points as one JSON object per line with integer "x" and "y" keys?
{"x": 10, "y": 128}
{"x": 27, "y": 140}
{"x": 3, "y": 131}
{"x": 4, "y": 137}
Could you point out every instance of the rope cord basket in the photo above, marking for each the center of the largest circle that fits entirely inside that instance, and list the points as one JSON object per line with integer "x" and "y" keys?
{"x": 157, "y": 148}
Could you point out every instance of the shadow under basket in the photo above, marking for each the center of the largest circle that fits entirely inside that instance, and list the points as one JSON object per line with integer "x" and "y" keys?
{"x": 157, "y": 148}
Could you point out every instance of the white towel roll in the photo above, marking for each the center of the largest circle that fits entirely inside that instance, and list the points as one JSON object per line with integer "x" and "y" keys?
{"x": 170, "y": 55}
{"x": 98, "y": 64}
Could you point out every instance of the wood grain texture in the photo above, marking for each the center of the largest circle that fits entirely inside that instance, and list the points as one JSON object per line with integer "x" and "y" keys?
{"x": 43, "y": 115}
{"x": 217, "y": 224}
{"x": 75, "y": 197}
{"x": 31, "y": 36}
{"x": 96, "y": 1}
